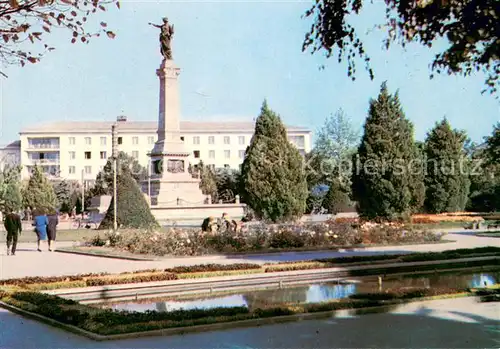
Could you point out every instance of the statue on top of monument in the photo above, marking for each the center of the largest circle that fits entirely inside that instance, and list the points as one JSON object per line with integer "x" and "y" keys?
{"x": 166, "y": 33}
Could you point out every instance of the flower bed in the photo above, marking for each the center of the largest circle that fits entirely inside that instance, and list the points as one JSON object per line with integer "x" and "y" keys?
{"x": 459, "y": 217}
{"x": 109, "y": 322}
{"x": 257, "y": 238}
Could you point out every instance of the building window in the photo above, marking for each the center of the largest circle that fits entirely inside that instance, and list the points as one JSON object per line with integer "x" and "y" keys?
{"x": 298, "y": 141}
{"x": 135, "y": 154}
{"x": 135, "y": 140}
{"x": 120, "y": 140}
{"x": 151, "y": 140}
{"x": 211, "y": 154}
{"x": 88, "y": 155}
{"x": 227, "y": 140}
{"x": 101, "y": 168}
{"x": 71, "y": 140}
{"x": 196, "y": 154}
{"x": 211, "y": 140}
{"x": 72, "y": 170}
{"x": 196, "y": 140}
{"x": 104, "y": 155}
{"x": 88, "y": 141}
{"x": 103, "y": 141}
{"x": 88, "y": 169}
{"x": 241, "y": 140}
{"x": 241, "y": 154}
{"x": 227, "y": 154}
{"x": 72, "y": 155}
{"x": 182, "y": 138}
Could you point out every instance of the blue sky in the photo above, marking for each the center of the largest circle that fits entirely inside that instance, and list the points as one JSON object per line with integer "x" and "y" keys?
{"x": 232, "y": 55}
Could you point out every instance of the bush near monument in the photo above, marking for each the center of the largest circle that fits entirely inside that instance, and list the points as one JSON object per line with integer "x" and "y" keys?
{"x": 132, "y": 209}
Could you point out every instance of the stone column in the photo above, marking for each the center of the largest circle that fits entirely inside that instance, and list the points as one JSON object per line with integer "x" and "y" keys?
{"x": 169, "y": 108}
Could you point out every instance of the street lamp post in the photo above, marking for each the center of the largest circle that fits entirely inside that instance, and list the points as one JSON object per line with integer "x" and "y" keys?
{"x": 149, "y": 179}
{"x": 115, "y": 192}
{"x": 83, "y": 195}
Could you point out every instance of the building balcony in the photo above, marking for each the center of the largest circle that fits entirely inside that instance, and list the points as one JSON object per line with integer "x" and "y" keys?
{"x": 44, "y": 161}
{"x": 42, "y": 146}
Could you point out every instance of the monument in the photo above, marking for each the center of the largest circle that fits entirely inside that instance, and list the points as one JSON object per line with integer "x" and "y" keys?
{"x": 175, "y": 194}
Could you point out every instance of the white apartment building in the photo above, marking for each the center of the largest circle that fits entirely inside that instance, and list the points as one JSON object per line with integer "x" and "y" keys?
{"x": 72, "y": 150}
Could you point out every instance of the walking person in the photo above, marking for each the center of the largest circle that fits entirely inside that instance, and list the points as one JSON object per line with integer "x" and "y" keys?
{"x": 53, "y": 221}
{"x": 40, "y": 222}
{"x": 14, "y": 226}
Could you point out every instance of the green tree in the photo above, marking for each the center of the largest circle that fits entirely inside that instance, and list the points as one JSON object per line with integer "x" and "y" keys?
{"x": 447, "y": 180}
{"x": 62, "y": 189}
{"x": 493, "y": 146}
{"x": 337, "y": 198}
{"x": 382, "y": 179}
{"x": 417, "y": 181}
{"x": 485, "y": 174}
{"x": 272, "y": 175}
{"x": 10, "y": 189}
{"x": 104, "y": 180}
{"x": 30, "y": 21}
{"x": 329, "y": 163}
{"x": 39, "y": 193}
{"x": 470, "y": 26}
{"x": 132, "y": 208}
{"x": 208, "y": 185}
{"x": 228, "y": 184}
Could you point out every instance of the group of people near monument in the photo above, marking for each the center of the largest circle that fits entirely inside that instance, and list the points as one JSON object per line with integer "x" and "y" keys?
{"x": 45, "y": 226}
{"x": 212, "y": 225}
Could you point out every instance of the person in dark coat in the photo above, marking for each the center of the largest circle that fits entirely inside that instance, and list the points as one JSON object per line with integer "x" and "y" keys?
{"x": 14, "y": 226}
{"x": 53, "y": 221}
{"x": 40, "y": 222}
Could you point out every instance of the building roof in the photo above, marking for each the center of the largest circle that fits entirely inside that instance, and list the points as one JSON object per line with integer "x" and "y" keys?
{"x": 15, "y": 144}
{"x": 144, "y": 126}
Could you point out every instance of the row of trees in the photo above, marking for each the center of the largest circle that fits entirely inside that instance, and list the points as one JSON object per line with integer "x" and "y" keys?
{"x": 389, "y": 175}
{"x": 37, "y": 193}
{"x": 384, "y": 174}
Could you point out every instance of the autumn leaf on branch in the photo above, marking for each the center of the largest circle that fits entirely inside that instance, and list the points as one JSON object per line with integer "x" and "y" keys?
{"x": 24, "y": 25}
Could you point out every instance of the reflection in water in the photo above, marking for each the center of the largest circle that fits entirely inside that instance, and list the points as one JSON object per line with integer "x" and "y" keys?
{"x": 321, "y": 293}
{"x": 308, "y": 294}
{"x": 482, "y": 280}
{"x": 315, "y": 293}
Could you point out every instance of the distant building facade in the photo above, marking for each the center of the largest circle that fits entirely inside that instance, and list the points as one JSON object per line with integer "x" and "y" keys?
{"x": 10, "y": 154}
{"x": 79, "y": 150}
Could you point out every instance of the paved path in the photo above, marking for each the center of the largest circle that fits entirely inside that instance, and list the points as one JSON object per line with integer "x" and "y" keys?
{"x": 457, "y": 323}
{"x": 29, "y": 262}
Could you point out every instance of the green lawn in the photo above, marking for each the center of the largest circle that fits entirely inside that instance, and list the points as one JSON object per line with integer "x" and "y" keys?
{"x": 62, "y": 235}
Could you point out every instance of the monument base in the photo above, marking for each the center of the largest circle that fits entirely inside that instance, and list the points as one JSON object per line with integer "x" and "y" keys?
{"x": 194, "y": 215}
{"x": 180, "y": 191}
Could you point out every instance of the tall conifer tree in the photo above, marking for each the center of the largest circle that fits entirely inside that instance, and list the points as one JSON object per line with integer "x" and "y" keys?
{"x": 446, "y": 179}
{"x": 272, "y": 175}
{"x": 39, "y": 194}
{"x": 382, "y": 180}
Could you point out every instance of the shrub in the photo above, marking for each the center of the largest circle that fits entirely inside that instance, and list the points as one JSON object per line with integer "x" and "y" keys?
{"x": 189, "y": 242}
{"x": 131, "y": 280}
{"x": 132, "y": 209}
{"x": 211, "y": 267}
